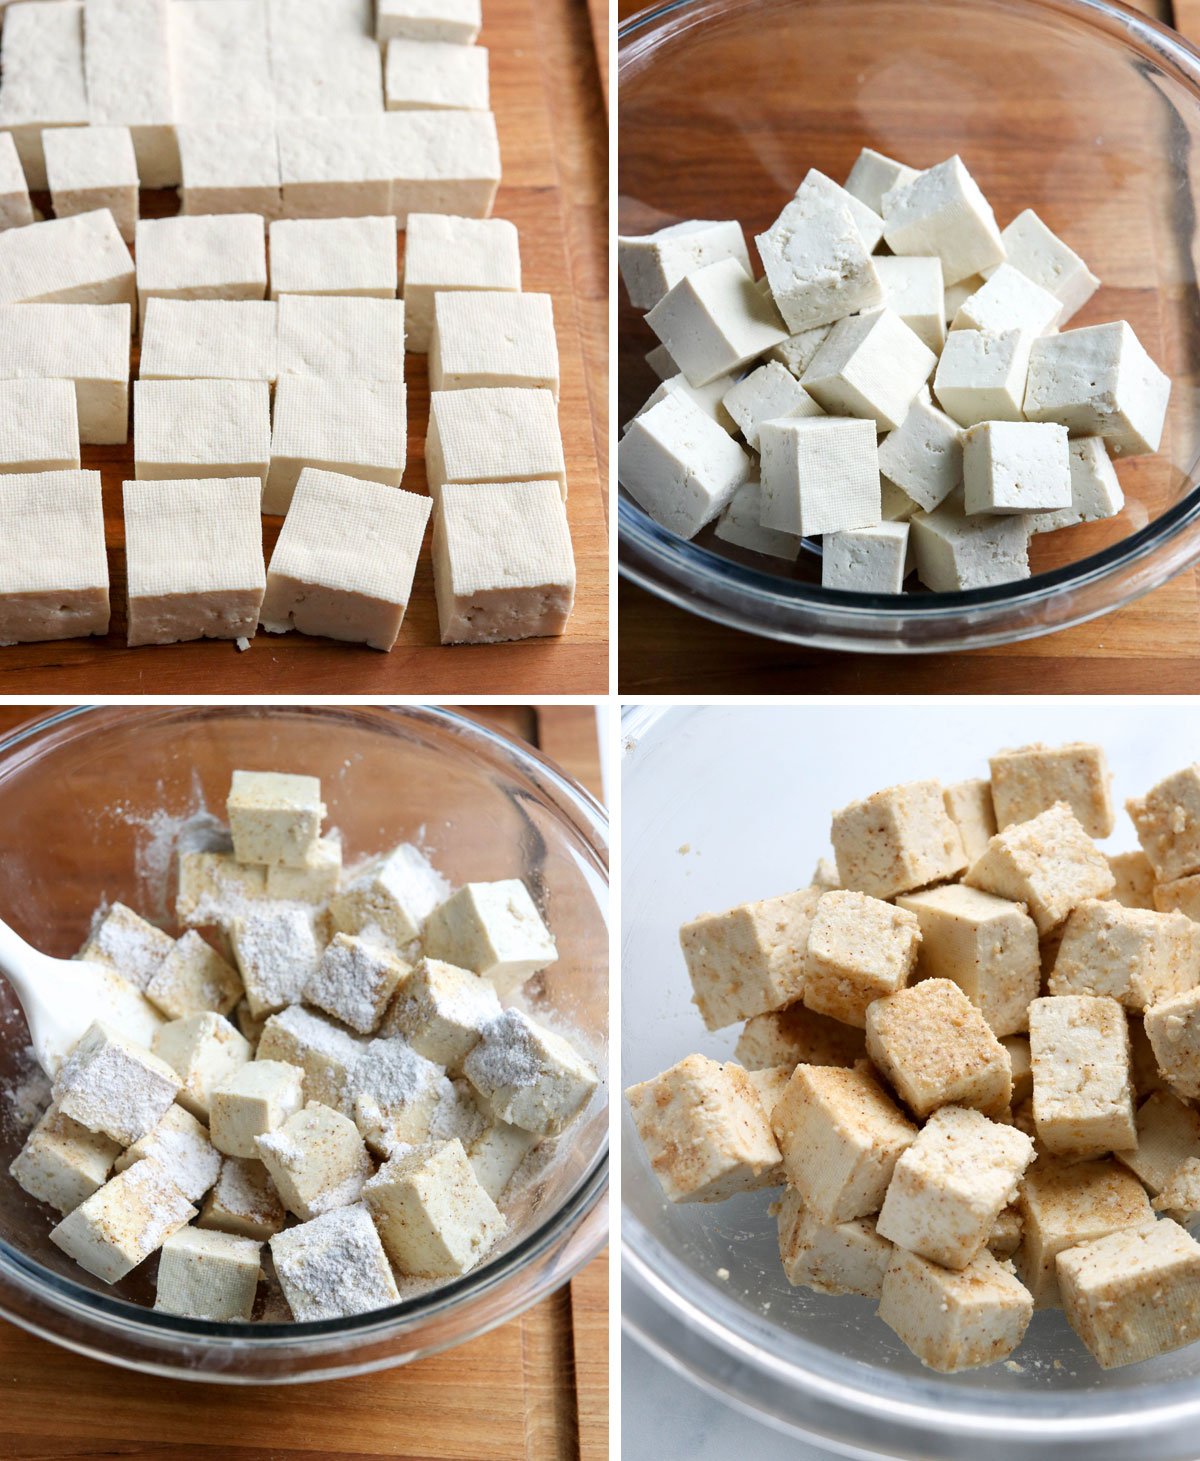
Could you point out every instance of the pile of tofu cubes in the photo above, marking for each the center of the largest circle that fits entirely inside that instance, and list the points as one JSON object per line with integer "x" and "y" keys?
{"x": 269, "y": 382}
{"x": 336, "y": 1071}
{"x": 970, "y": 1059}
{"x": 919, "y": 410}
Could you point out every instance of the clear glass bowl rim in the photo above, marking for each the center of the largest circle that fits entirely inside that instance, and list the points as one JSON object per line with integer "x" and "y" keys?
{"x": 74, "y": 1299}
{"x": 746, "y": 598}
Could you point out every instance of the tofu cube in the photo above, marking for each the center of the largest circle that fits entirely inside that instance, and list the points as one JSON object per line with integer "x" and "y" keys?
{"x": 125, "y": 1221}
{"x": 896, "y": 840}
{"x": 204, "y": 1051}
{"x": 214, "y": 888}
{"x": 443, "y": 1012}
{"x": 531, "y": 1077}
{"x": 316, "y": 881}
{"x": 1082, "y": 1092}
{"x": 62, "y": 1163}
{"x": 334, "y": 167}
{"x": 749, "y": 959}
{"x": 1095, "y": 490}
{"x": 955, "y": 1320}
{"x": 218, "y": 257}
{"x": 954, "y": 551}
{"x": 818, "y": 267}
{"x": 39, "y": 426}
{"x": 870, "y": 366}
{"x": 982, "y": 376}
{"x": 1043, "y": 257}
{"x": 274, "y": 817}
{"x": 987, "y": 945}
{"x": 1022, "y": 1067}
{"x": 64, "y": 260}
{"x": 43, "y": 84}
{"x": 395, "y": 1095}
{"x": 1134, "y": 880}
{"x": 445, "y": 253}
{"x": 1049, "y": 863}
{"x": 1016, "y": 466}
{"x": 1168, "y": 1133}
{"x": 207, "y": 1275}
{"x": 257, "y": 1098}
{"x": 354, "y": 982}
{"x": 859, "y": 949}
{"x": 342, "y": 1242}
{"x": 275, "y": 945}
{"x": 816, "y": 188}
{"x": 819, "y": 476}
{"x": 394, "y": 895}
{"x": 1029, "y": 780}
{"x": 127, "y": 63}
{"x": 951, "y": 1185}
{"x": 493, "y": 929}
{"x": 1172, "y": 1025}
{"x": 715, "y": 320}
{"x": 316, "y": 1159}
{"x": 1129, "y": 954}
{"x": 915, "y": 290}
{"x": 497, "y": 1155}
{"x": 334, "y": 256}
{"x": 923, "y": 456}
{"x": 662, "y": 362}
{"x": 487, "y": 339}
{"x": 53, "y": 567}
{"x": 458, "y": 21}
{"x": 652, "y": 264}
{"x": 1180, "y": 894}
{"x": 434, "y": 76}
{"x": 798, "y": 1036}
{"x": 1167, "y": 822}
{"x": 230, "y": 167}
{"x": 325, "y": 1052}
{"x": 942, "y": 211}
{"x": 493, "y": 436}
{"x": 89, "y": 168}
{"x": 873, "y": 174}
{"x": 1009, "y": 300}
{"x": 831, "y": 1258}
{"x": 243, "y": 1201}
{"x": 741, "y": 524}
{"x": 124, "y": 941}
{"x": 210, "y": 339}
{"x": 969, "y": 804}
{"x": 1180, "y": 1198}
{"x": 768, "y": 393}
{"x": 796, "y": 352}
{"x": 181, "y": 1146}
{"x": 112, "y": 1086}
{"x": 201, "y": 428}
{"x": 442, "y": 162}
{"x": 867, "y": 560}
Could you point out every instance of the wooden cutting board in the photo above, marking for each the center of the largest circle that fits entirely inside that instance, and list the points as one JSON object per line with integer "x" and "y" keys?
{"x": 548, "y": 95}
{"x": 534, "y": 1390}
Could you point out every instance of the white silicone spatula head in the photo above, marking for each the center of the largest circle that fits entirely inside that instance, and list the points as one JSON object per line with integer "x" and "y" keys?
{"x": 62, "y": 997}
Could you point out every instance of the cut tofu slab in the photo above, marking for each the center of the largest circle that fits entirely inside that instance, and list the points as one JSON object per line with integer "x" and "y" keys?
{"x": 230, "y": 167}
{"x": 194, "y": 556}
{"x": 91, "y": 168}
{"x": 210, "y": 339}
{"x": 16, "y": 210}
{"x": 183, "y": 429}
{"x": 223, "y": 60}
{"x": 334, "y": 167}
{"x": 493, "y": 436}
{"x": 341, "y": 337}
{"x": 344, "y": 564}
{"x": 39, "y": 426}
{"x": 356, "y": 427}
{"x": 80, "y": 260}
{"x": 435, "y": 75}
{"x": 324, "y": 62}
{"x": 219, "y": 257}
{"x": 130, "y": 81}
{"x": 429, "y": 20}
{"x": 42, "y": 84}
{"x": 442, "y": 253}
{"x": 334, "y": 256}
{"x": 53, "y": 568}
{"x": 503, "y": 566}
{"x": 87, "y": 344}
{"x": 442, "y": 162}
{"x": 490, "y": 338}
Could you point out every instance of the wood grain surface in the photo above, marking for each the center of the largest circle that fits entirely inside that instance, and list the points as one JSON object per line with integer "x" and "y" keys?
{"x": 549, "y": 101}
{"x": 1151, "y": 646}
{"x": 534, "y": 1390}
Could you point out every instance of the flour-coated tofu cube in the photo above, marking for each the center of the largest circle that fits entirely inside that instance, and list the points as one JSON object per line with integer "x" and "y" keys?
{"x": 831, "y": 1258}
{"x": 1049, "y": 863}
{"x": 942, "y": 211}
{"x": 192, "y": 979}
{"x": 111, "y": 1085}
{"x": 494, "y": 930}
{"x": 204, "y": 1051}
{"x": 218, "y": 257}
{"x": 815, "y": 259}
{"x": 334, "y": 256}
{"x": 77, "y": 260}
{"x": 207, "y": 1275}
{"x": 741, "y": 524}
{"x": 982, "y": 376}
{"x": 1168, "y": 1133}
{"x": 243, "y": 1201}
{"x": 442, "y": 162}
{"x": 214, "y": 888}
{"x": 896, "y": 840}
{"x": 873, "y": 174}
{"x": 53, "y": 569}
{"x": 124, "y": 941}
{"x": 62, "y": 1163}
{"x": 396, "y": 1096}
{"x": 354, "y": 982}
{"x": 341, "y": 337}
{"x": 1130, "y": 954}
{"x": 1099, "y": 381}
{"x": 230, "y": 167}
{"x": 1172, "y": 1026}
{"x": 954, "y": 551}
{"x": 433, "y": 1216}
{"x": 43, "y": 83}
{"x": 1082, "y": 1092}
{"x": 325, "y": 1051}
{"x": 798, "y": 1036}
{"x": 493, "y": 435}
{"x": 201, "y": 428}
{"x": 317, "y": 1160}
{"x": 955, "y": 1320}
{"x": 275, "y": 944}
{"x": 651, "y": 264}
{"x": 334, "y": 167}
{"x": 457, "y": 21}
{"x": 394, "y": 895}
{"x": 969, "y": 804}
{"x": 344, "y": 1242}
{"x": 866, "y": 560}
{"x": 923, "y": 456}
{"x": 1009, "y": 300}
{"x": 123, "y": 1222}
{"x": 88, "y": 168}
{"x": 1043, "y": 257}
{"x": 767, "y": 394}
{"x": 715, "y": 320}
{"x": 485, "y": 339}
{"x": 447, "y": 253}
{"x": 435, "y": 75}
{"x": 16, "y": 210}
{"x": 870, "y": 366}
{"x": 128, "y": 67}
{"x": 210, "y": 339}
{"x": 1095, "y": 490}
{"x": 257, "y": 1098}
{"x": 819, "y": 476}
{"x": 1015, "y": 466}
{"x": 1167, "y": 822}
{"x": 531, "y": 1077}
{"x": 180, "y": 1145}
{"x": 1029, "y": 780}
{"x": 913, "y": 288}
{"x": 1134, "y": 879}
{"x": 318, "y": 877}
{"x": 442, "y": 1012}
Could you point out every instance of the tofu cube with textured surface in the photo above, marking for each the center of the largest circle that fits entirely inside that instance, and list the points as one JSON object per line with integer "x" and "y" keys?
{"x": 816, "y": 188}
{"x": 1180, "y": 895}
{"x": 951, "y": 1185}
{"x": 1082, "y": 1091}
{"x": 243, "y": 1201}
{"x": 442, "y": 162}
{"x": 1029, "y": 780}
{"x": 128, "y": 66}
{"x": 201, "y": 428}
{"x": 257, "y": 1098}
{"x": 125, "y": 1221}
{"x": 62, "y": 1163}
{"x": 395, "y": 895}
{"x": 819, "y": 475}
{"x": 982, "y": 376}
{"x": 110, "y": 1085}
{"x": 79, "y": 259}
{"x": 355, "y": 982}
{"x": 495, "y": 436}
{"x": 710, "y": 398}
{"x": 1009, "y": 300}
{"x": 446, "y": 253}
{"x": 316, "y": 1159}
{"x": 44, "y": 83}
{"x": 1134, "y": 880}
{"x": 532, "y": 1077}
{"x": 796, "y": 352}
{"x": 181, "y": 1146}
{"x": 219, "y": 257}
{"x": 204, "y": 1051}
{"x": 89, "y": 168}
{"x": 740, "y": 523}
{"x": 275, "y": 945}
{"x": 798, "y": 1036}
{"x": 194, "y": 978}
{"x": 942, "y": 211}
{"x": 923, "y": 456}
{"x": 1005, "y": 1237}
{"x": 207, "y": 1275}
{"x": 1099, "y": 381}
{"x": 749, "y": 959}
{"x": 859, "y": 949}
{"x": 39, "y": 426}
{"x": 342, "y": 1242}
{"x": 651, "y": 264}
{"x": 214, "y": 888}
{"x": 1043, "y": 257}
{"x": 1167, "y": 822}
{"x": 394, "y": 1095}
{"x": 715, "y": 320}
{"x": 831, "y": 1258}
{"x": 434, "y": 1218}
{"x": 1095, "y": 489}
{"x": 230, "y": 167}
{"x": 126, "y": 942}
{"x": 896, "y": 840}
{"x": 969, "y": 804}
{"x": 818, "y": 267}
{"x": 486, "y": 339}
{"x": 341, "y": 337}
{"x": 1016, "y": 466}
{"x": 914, "y": 289}
{"x": 955, "y": 1320}
{"x": 493, "y": 929}
{"x": 209, "y": 339}
{"x": 334, "y": 167}
{"x": 325, "y": 1052}
{"x": 316, "y": 881}
{"x": 274, "y": 817}
{"x": 435, "y": 75}
{"x": 1168, "y": 1132}
{"x": 1180, "y": 1196}
{"x": 767, "y": 394}
{"x": 871, "y": 366}
{"x": 1130, "y": 954}
{"x": 442, "y": 1012}
{"x": 953, "y": 551}
{"x": 53, "y": 567}
{"x": 1172, "y": 1026}
{"x": 867, "y": 560}
{"x": 334, "y": 256}
{"x": 456, "y": 21}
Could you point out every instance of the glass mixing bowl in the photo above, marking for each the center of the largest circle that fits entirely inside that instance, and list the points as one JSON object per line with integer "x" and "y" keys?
{"x": 726, "y": 804}
{"x": 90, "y": 802}
{"x": 1084, "y": 111}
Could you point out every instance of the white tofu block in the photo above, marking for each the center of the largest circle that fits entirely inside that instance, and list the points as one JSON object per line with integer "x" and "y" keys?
{"x": 797, "y": 351}
{"x": 43, "y": 81}
{"x": 205, "y": 1051}
{"x": 392, "y": 896}
{"x": 207, "y": 1275}
{"x": 458, "y": 21}
{"x": 193, "y": 551}
{"x": 871, "y": 366}
{"x": 769, "y": 393}
{"x": 741, "y": 525}
{"x": 344, "y": 563}
{"x": 433, "y": 1216}
{"x": 913, "y": 289}
{"x": 210, "y": 339}
{"x": 180, "y": 1145}
{"x": 873, "y": 174}
{"x": 866, "y": 560}
{"x": 500, "y": 435}
{"x": 201, "y": 428}
{"x": 343, "y": 1242}
{"x": 956, "y": 552}
{"x": 357, "y": 428}
{"x": 715, "y": 320}
{"x": 334, "y": 167}
{"x": 442, "y": 162}
{"x": 223, "y": 256}
{"x": 78, "y": 260}
{"x": 53, "y": 568}
{"x": 1095, "y": 491}
{"x": 16, "y": 210}
{"x": 39, "y": 426}
{"x": 1009, "y": 300}
{"x": 942, "y": 211}
{"x": 129, "y": 70}
{"x": 866, "y": 219}
{"x": 85, "y": 344}
{"x": 981, "y": 377}
{"x": 957, "y": 294}
{"x": 1043, "y": 257}
{"x": 1097, "y": 381}
{"x": 819, "y": 476}
{"x": 710, "y": 398}
{"x": 897, "y": 505}
{"x": 1015, "y": 466}
{"x": 334, "y": 256}
{"x": 222, "y": 61}
{"x": 503, "y": 566}
{"x": 651, "y": 264}
{"x": 341, "y": 337}
{"x": 923, "y": 457}
{"x": 490, "y": 338}
{"x": 443, "y": 253}
{"x": 662, "y": 362}
{"x": 93, "y": 168}
{"x": 119, "y": 1226}
{"x": 62, "y": 1163}
{"x": 497, "y": 1156}
{"x": 434, "y": 76}
{"x": 531, "y": 1077}
{"x": 680, "y": 467}
{"x": 230, "y": 167}
{"x": 324, "y": 62}
{"x": 493, "y": 929}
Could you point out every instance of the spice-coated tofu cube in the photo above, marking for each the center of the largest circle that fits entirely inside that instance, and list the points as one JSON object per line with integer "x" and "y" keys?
{"x": 859, "y": 948}
{"x": 1009, "y": 300}
{"x": 715, "y": 320}
{"x": 831, "y": 1258}
{"x": 1005, "y": 1237}
{"x": 316, "y": 882}
{"x": 395, "y": 1095}
{"x": 704, "y": 1130}
{"x": 986, "y": 945}
{"x": 955, "y": 1320}
{"x": 276, "y": 950}
{"x": 207, "y": 1275}
{"x": 1064, "y": 1204}
{"x": 1016, "y": 466}
{"x": 532, "y": 1077}
{"x": 1134, "y": 880}
{"x": 493, "y": 929}
{"x": 194, "y": 978}
{"x": 395, "y": 894}
{"x": 274, "y": 817}
{"x": 343, "y": 1242}
{"x": 110, "y": 1085}
{"x": 204, "y": 1050}
{"x": 937, "y": 1049}
{"x": 1048, "y": 863}
{"x": 323, "y": 1050}
{"x": 214, "y": 888}
{"x": 1180, "y": 1196}
{"x": 982, "y": 376}
{"x": 1168, "y": 1132}
{"x": 840, "y": 1137}
{"x": 1021, "y": 1062}
{"x": 124, "y": 1222}
{"x": 923, "y": 456}
{"x": 1130, "y": 954}
{"x": 127, "y": 943}
{"x": 259, "y": 1097}
{"x": 1082, "y": 1091}
{"x": 442, "y": 1012}
{"x": 1143, "y": 1062}
{"x": 867, "y": 560}
{"x": 1134, "y": 1294}
{"x": 896, "y": 840}
{"x": 798, "y": 1036}
{"x": 942, "y": 211}
{"x": 1043, "y": 257}
{"x": 1029, "y": 780}
{"x": 819, "y": 476}
{"x": 181, "y": 1146}
{"x": 951, "y": 1185}
{"x": 870, "y": 366}
{"x": 484, "y": 339}
{"x": 1172, "y": 1025}
{"x": 969, "y": 804}
{"x": 243, "y": 1201}
{"x": 63, "y": 1163}
{"x": 818, "y": 266}
{"x": 749, "y": 959}
{"x": 317, "y": 1160}
{"x": 355, "y": 981}
{"x": 334, "y": 256}
{"x": 1167, "y": 821}
{"x": 497, "y": 1155}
